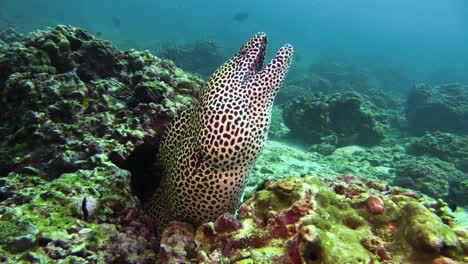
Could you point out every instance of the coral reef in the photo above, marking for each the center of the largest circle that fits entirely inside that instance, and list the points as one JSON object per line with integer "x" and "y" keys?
{"x": 9, "y": 35}
{"x": 441, "y": 108}
{"x": 80, "y": 126}
{"x": 63, "y": 111}
{"x": 345, "y": 77}
{"x": 433, "y": 177}
{"x": 277, "y": 129}
{"x": 201, "y": 56}
{"x": 383, "y": 87}
{"x": 73, "y": 107}
{"x": 445, "y": 146}
{"x": 337, "y": 120}
{"x": 304, "y": 220}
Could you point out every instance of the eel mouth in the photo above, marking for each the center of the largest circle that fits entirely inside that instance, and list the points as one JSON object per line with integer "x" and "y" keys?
{"x": 252, "y": 55}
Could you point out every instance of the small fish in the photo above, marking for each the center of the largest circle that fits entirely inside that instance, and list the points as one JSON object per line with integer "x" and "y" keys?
{"x": 116, "y": 22}
{"x": 241, "y": 16}
{"x": 98, "y": 34}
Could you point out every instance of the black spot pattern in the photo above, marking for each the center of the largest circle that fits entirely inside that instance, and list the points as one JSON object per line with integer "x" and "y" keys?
{"x": 208, "y": 150}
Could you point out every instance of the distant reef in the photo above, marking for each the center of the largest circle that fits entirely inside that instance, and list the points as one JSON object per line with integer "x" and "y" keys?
{"x": 337, "y": 120}
{"x": 80, "y": 127}
{"x": 438, "y": 108}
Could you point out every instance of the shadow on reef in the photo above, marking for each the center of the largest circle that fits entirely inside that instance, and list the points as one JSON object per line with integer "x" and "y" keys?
{"x": 146, "y": 173}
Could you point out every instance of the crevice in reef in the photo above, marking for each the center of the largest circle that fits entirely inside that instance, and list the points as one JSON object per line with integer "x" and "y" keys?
{"x": 146, "y": 172}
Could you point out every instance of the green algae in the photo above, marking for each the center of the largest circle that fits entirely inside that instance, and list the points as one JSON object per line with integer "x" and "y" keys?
{"x": 425, "y": 232}
{"x": 339, "y": 226}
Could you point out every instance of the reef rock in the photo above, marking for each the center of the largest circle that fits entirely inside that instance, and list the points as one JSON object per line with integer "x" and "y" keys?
{"x": 337, "y": 120}
{"x": 441, "y": 108}
{"x": 303, "y": 220}
{"x": 68, "y": 98}
{"x": 433, "y": 177}
{"x": 445, "y": 146}
{"x": 202, "y": 56}
{"x": 77, "y": 115}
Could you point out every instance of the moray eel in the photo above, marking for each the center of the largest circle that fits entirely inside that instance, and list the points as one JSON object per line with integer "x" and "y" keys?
{"x": 208, "y": 150}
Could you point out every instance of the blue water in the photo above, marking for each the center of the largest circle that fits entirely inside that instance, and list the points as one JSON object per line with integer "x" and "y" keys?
{"x": 414, "y": 36}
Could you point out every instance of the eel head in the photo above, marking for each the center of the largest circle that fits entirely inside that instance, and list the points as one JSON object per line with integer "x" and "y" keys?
{"x": 235, "y": 106}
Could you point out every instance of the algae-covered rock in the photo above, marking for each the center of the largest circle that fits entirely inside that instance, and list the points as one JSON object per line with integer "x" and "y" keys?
{"x": 442, "y": 108}
{"x": 53, "y": 219}
{"x": 338, "y": 120}
{"x": 10, "y": 35}
{"x": 295, "y": 220}
{"x": 425, "y": 232}
{"x": 308, "y": 220}
{"x": 77, "y": 115}
{"x": 431, "y": 176}
{"x": 445, "y": 146}
{"x": 68, "y": 97}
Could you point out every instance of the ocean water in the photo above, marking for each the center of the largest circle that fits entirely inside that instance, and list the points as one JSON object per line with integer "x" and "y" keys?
{"x": 420, "y": 38}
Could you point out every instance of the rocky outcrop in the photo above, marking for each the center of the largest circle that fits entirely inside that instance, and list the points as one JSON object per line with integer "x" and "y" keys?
{"x": 304, "y": 220}
{"x": 337, "y": 120}
{"x": 79, "y": 129}
{"x": 441, "y": 108}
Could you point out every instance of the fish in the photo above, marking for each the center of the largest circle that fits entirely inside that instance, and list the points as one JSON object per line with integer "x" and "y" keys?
{"x": 240, "y": 17}
{"x": 116, "y": 22}
{"x": 208, "y": 150}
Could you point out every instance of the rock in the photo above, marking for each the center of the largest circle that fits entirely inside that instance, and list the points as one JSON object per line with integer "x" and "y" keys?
{"x": 20, "y": 244}
{"x": 74, "y": 108}
{"x": 425, "y": 231}
{"x": 375, "y": 205}
{"x": 299, "y": 220}
{"x": 445, "y": 146}
{"x": 68, "y": 89}
{"x": 10, "y": 35}
{"x": 441, "y": 108}
{"x": 431, "y": 176}
{"x": 177, "y": 243}
{"x": 338, "y": 120}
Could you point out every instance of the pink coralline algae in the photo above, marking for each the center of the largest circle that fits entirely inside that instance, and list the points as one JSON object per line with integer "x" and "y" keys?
{"x": 227, "y": 223}
{"x": 177, "y": 243}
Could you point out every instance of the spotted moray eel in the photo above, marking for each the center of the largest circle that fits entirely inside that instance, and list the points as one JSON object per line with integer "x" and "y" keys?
{"x": 208, "y": 150}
